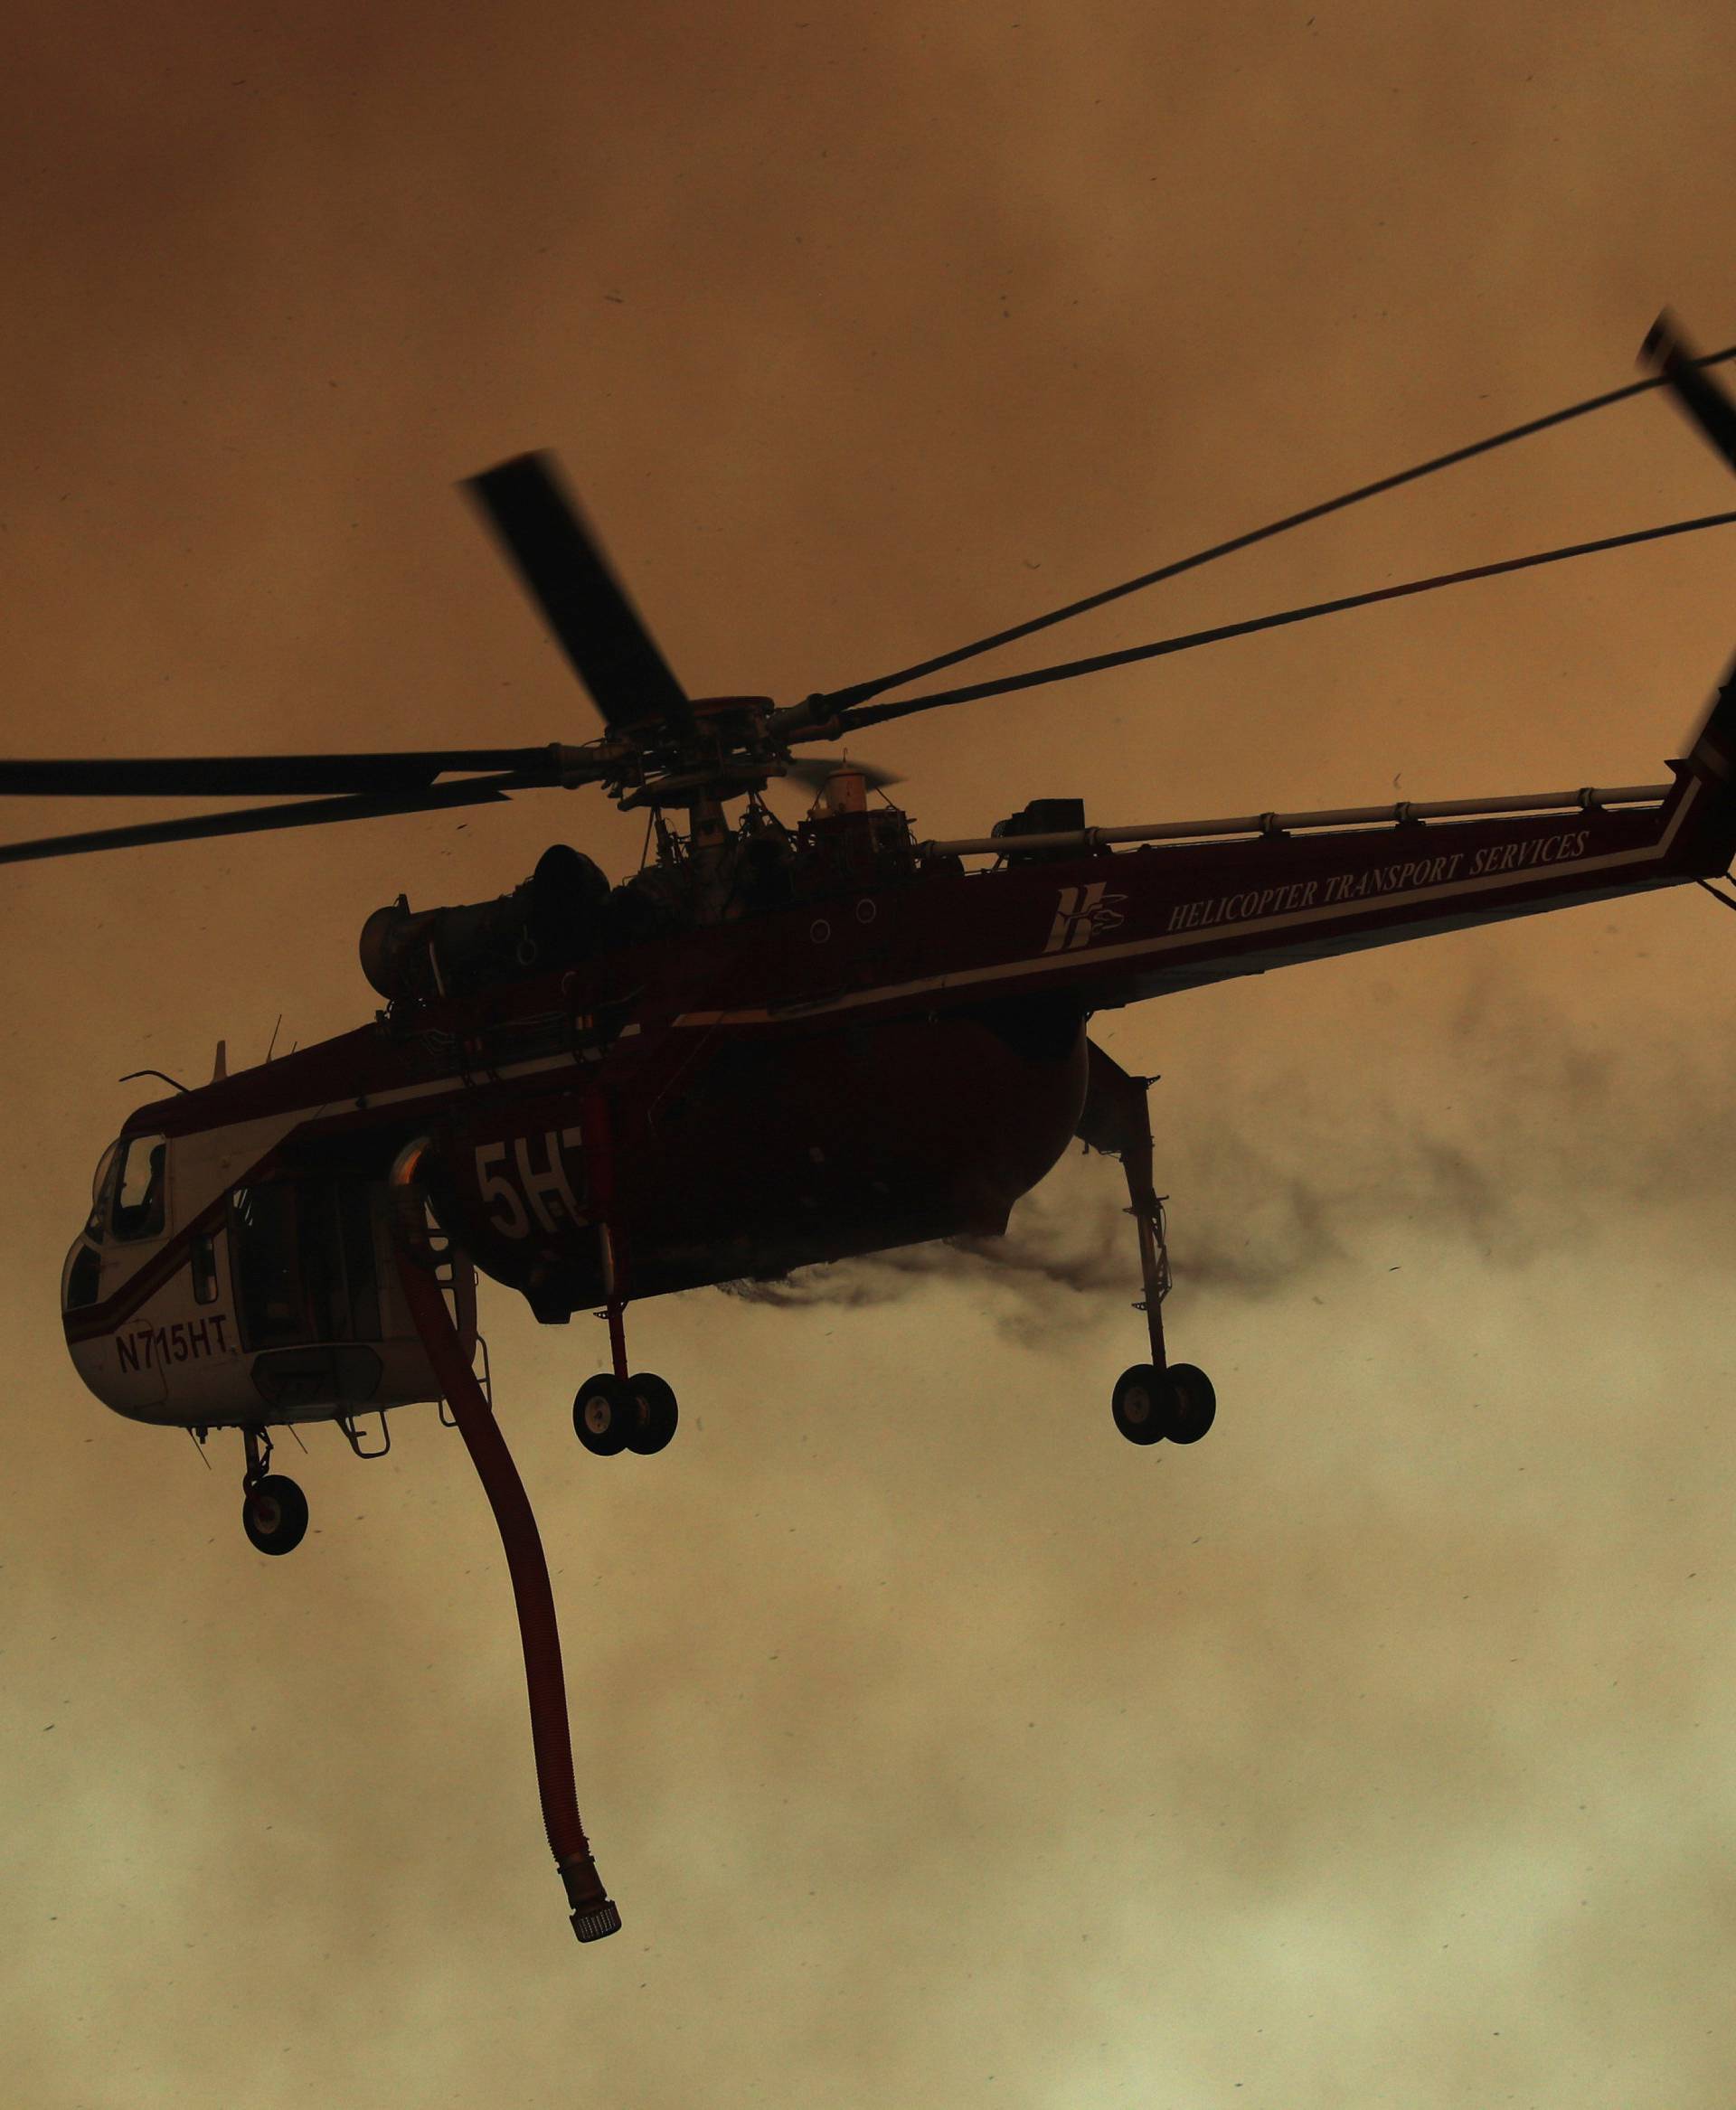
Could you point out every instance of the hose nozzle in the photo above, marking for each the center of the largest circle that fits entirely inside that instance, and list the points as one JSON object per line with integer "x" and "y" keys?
{"x": 594, "y": 1912}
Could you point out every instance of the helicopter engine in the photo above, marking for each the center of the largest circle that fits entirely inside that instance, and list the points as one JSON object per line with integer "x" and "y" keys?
{"x": 557, "y": 915}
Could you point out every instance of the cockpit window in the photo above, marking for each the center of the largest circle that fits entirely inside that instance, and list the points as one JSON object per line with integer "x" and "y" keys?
{"x": 93, "y": 1227}
{"x": 140, "y": 1193}
{"x": 83, "y": 1278}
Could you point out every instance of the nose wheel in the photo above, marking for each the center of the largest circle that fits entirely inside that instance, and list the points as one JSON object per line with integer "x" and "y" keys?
{"x": 274, "y": 1509}
{"x": 274, "y": 1513}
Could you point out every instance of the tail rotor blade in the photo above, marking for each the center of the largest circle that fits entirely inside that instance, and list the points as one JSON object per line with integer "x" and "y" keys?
{"x": 560, "y": 564}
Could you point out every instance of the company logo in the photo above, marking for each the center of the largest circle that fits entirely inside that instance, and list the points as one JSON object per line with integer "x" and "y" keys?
{"x": 1080, "y": 914}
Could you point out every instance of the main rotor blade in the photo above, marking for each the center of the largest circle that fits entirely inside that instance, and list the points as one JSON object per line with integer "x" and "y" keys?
{"x": 561, "y": 565}
{"x": 1680, "y": 371}
{"x": 826, "y": 701}
{"x": 253, "y": 820}
{"x": 280, "y": 776}
{"x": 879, "y": 714}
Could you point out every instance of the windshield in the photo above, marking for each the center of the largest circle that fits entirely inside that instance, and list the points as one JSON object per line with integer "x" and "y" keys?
{"x": 139, "y": 1193}
{"x": 99, "y": 1193}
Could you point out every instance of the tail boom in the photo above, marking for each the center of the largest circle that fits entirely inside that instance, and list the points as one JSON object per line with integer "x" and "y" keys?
{"x": 1117, "y": 926}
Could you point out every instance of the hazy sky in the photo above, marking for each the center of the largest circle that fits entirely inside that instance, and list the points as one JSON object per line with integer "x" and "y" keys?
{"x": 940, "y": 1747}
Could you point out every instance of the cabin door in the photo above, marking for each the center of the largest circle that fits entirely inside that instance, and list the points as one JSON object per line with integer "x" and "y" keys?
{"x": 305, "y": 1263}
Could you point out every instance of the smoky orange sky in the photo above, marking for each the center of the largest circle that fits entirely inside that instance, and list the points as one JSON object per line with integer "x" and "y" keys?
{"x": 940, "y": 1747}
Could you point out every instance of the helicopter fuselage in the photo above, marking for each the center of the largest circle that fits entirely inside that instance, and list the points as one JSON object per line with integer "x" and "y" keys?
{"x": 893, "y": 1053}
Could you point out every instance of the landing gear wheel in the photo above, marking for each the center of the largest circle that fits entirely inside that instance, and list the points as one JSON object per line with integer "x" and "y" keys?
{"x": 274, "y": 1513}
{"x": 1150, "y": 1404}
{"x": 1193, "y": 1404}
{"x": 657, "y": 1416}
{"x": 604, "y": 1414}
{"x": 1138, "y": 1404}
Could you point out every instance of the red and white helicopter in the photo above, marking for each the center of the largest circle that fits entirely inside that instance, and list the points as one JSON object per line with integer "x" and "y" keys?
{"x": 768, "y": 1047}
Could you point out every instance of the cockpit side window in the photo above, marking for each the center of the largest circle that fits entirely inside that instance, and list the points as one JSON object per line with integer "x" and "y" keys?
{"x": 141, "y": 1192}
{"x": 83, "y": 1281}
{"x": 95, "y": 1223}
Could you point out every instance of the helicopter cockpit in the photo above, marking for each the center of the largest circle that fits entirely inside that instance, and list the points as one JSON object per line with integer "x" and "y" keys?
{"x": 129, "y": 1207}
{"x": 273, "y": 1301}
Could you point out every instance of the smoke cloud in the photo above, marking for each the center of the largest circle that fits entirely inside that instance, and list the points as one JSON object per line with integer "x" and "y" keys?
{"x": 1284, "y": 1174}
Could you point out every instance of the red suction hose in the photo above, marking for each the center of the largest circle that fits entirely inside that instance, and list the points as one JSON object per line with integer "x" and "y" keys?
{"x": 594, "y": 1915}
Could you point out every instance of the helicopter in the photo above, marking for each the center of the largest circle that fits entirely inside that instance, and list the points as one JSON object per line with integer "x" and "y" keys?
{"x": 771, "y": 1047}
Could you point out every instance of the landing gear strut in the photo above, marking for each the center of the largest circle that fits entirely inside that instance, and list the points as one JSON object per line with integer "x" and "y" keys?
{"x": 612, "y": 1411}
{"x": 274, "y": 1509}
{"x": 1157, "y": 1400}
